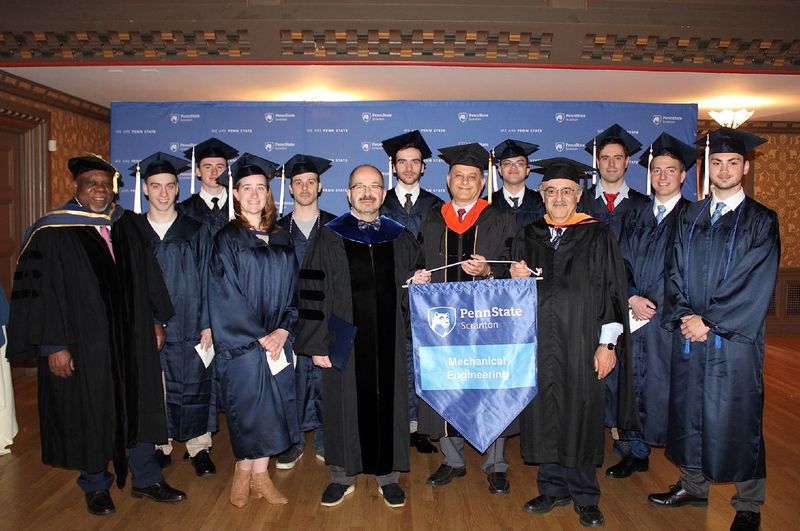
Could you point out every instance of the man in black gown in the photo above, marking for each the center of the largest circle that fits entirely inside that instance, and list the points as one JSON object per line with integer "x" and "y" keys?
{"x": 720, "y": 277}
{"x": 89, "y": 302}
{"x": 582, "y": 339}
{"x": 352, "y": 277}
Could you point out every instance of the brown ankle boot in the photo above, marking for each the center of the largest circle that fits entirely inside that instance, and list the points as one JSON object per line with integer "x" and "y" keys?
{"x": 264, "y": 488}
{"x": 240, "y": 487}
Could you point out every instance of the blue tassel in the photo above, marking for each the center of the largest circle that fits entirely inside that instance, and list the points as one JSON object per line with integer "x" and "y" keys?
{"x": 717, "y": 342}
{"x": 687, "y": 349}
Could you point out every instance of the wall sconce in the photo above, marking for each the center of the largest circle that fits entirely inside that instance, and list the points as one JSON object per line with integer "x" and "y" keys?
{"x": 731, "y": 118}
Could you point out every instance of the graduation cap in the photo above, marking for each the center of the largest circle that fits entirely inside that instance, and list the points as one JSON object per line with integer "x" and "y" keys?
{"x": 411, "y": 139}
{"x": 305, "y": 164}
{"x": 467, "y": 154}
{"x": 213, "y": 147}
{"x": 726, "y": 140}
{"x": 563, "y": 168}
{"x": 613, "y": 135}
{"x": 92, "y": 161}
{"x": 513, "y": 148}
{"x": 156, "y": 163}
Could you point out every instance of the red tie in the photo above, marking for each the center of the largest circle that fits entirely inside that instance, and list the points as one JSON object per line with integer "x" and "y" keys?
{"x": 106, "y": 234}
{"x": 461, "y": 213}
{"x": 610, "y": 200}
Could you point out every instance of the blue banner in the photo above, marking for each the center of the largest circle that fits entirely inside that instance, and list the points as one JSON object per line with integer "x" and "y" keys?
{"x": 350, "y": 133}
{"x": 475, "y": 352}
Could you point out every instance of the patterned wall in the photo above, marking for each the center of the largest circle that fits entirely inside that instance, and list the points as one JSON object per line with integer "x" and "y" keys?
{"x": 777, "y": 167}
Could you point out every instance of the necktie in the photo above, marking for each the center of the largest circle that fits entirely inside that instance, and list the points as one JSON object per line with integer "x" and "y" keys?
{"x": 215, "y": 202}
{"x": 610, "y": 198}
{"x": 105, "y": 232}
{"x": 408, "y": 204}
{"x": 717, "y": 212}
{"x": 515, "y": 200}
{"x": 461, "y": 213}
{"x": 374, "y": 224}
{"x": 660, "y": 215}
{"x": 557, "y": 238}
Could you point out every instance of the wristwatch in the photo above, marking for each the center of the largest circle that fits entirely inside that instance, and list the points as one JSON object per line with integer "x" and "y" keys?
{"x": 611, "y": 346}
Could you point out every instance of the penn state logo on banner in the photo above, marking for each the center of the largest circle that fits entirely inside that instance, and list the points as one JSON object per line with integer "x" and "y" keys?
{"x": 475, "y": 350}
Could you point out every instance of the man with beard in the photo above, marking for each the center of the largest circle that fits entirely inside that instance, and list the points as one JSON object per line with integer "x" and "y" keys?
{"x": 512, "y": 160}
{"x": 210, "y": 205}
{"x": 720, "y": 276}
{"x": 182, "y": 247}
{"x": 582, "y": 338}
{"x": 406, "y": 203}
{"x": 88, "y": 302}
{"x": 611, "y": 197}
{"x": 351, "y": 279}
{"x": 302, "y": 225}
{"x": 467, "y": 229}
{"x": 646, "y": 238}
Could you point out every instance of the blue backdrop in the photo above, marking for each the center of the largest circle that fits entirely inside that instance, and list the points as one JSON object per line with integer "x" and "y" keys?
{"x": 350, "y": 133}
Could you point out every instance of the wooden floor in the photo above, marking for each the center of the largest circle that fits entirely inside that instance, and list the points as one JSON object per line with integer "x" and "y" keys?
{"x": 34, "y": 496}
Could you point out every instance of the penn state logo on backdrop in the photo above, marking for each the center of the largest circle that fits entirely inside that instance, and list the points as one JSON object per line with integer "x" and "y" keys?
{"x": 442, "y": 320}
{"x": 365, "y": 146}
{"x": 462, "y": 117}
{"x": 560, "y": 146}
{"x": 173, "y": 147}
{"x": 269, "y": 117}
{"x": 560, "y": 117}
{"x": 174, "y": 118}
{"x": 365, "y": 117}
{"x": 656, "y": 119}
{"x": 269, "y": 146}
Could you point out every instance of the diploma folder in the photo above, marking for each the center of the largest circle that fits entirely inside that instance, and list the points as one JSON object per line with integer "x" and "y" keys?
{"x": 343, "y": 335}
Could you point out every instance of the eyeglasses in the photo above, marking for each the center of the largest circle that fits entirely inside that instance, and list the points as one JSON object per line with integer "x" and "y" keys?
{"x": 469, "y": 177}
{"x": 566, "y": 192}
{"x": 514, "y": 164}
{"x": 361, "y": 188}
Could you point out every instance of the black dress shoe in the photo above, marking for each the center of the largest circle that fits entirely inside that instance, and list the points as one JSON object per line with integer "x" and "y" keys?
{"x": 544, "y": 503}
{"x": 163, "y": 460}
{"x": 628, "y": 466}
{"x": 590, "y": 516}
{"x": 160, "y": 492}
{"x": 100, "y": 503}
{"x": 746, "y": 521}
{"x": 676, "y": 497}
{"x": 498, "y": 483}
{"x": 445, "y": 474}
{"x": 422, "y": 444}
{"x": 203, "y": 466}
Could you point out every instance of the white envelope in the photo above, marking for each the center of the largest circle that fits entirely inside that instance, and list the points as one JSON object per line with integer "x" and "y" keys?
{"x": 207, "y": 355}
{"x": 276, "y": 366}
{"x": 634, "y": 323}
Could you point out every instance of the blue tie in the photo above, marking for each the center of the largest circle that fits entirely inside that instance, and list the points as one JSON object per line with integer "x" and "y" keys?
{"x": 717, "y": 212}
{"x": 557, "y": 237}
{"x": 660, "y": 216}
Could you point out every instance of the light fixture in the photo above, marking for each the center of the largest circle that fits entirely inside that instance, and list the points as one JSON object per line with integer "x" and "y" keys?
{"x": 731, "y": 118}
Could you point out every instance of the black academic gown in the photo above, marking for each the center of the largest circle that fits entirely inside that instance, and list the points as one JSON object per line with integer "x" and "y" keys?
{"x": 582, "y": 287}
{"x": 197, "y": 209}
{"x": 644, "y": 245}
{"x": 725, "y": 273}
{"x": 490, "y": 237}
{"x": 183, "y": 255}
{"x": 252, "y": 289}
{"x": 68, "y": 291}
{"x": 531, "y": 209}
{"x": 597, "y": 208}
{"x": 308, "y": 377}
{"x": 393, "y": 208}
{"x": 365, "y": 408}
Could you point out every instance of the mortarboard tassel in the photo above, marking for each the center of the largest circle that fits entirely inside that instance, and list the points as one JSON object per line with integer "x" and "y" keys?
{"x": 391, "y": 171}
{"x": 705, "y": 168}
{"x": 194, "y": 176}
{"x": 491, "y": 176}
{"x": 283, "y": 180}
{"x": 231, "y": 215}
{"x": 137, "y": 197}
{"x": 649, "y": 161}
{"x": 594, "y": 161}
